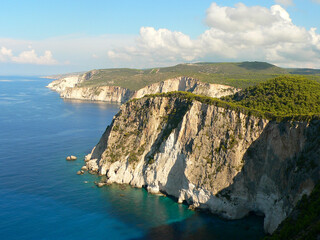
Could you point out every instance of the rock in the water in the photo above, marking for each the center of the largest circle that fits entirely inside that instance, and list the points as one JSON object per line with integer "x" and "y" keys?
{"x": 80, "y": 172}
{"x": 192, "y": 207}
{"x": 101, "y": 184}
{"x": 93, "y": 172}
{"x": 71, "y": 158}
{"x": 84, "y": 168}
{"x": 87, "y": 158}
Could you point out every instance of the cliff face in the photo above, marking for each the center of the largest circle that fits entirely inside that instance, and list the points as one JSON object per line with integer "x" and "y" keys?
{"x": 67, "y": 87}
{"x": 211, "y": 157}
{"x": 186, "y": 84}
{"x": 62, "y": 84}
{"x": 105, "y": 93}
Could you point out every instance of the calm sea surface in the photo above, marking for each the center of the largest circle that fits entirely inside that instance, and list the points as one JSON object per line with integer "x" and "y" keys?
{"x": 41, "y": 197}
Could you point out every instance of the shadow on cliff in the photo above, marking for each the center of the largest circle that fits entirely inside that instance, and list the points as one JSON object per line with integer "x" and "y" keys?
{"x": 173, "y": 120}
{"x": 176, "y": 177}
{"x": 283, "y": 157}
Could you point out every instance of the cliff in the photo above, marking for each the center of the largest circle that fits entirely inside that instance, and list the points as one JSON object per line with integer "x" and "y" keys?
{"x": 186, "y": 84}
{"x": 211, "y": 155}
{"x": 105, "y": 93}
{"x": 62, "y": 84}
{"x": 69, "y": 88}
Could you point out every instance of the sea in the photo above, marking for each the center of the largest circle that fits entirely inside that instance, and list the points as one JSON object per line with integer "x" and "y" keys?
{"x": 42, "y": 197}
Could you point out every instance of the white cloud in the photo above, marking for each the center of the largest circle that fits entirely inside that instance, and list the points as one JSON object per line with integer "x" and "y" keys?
{"x": 235, "y": 33}
{"x": 242, "y": 18}
{"x": 316, "y": 1}
{"x": 161, "y": 44}
{"x": 285, "y": 2}
{"x": 75, "y": 52}
{"x": 29, "y": 57}
{"x": 5, "y": 54}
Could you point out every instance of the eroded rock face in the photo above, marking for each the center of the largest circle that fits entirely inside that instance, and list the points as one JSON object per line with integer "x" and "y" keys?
{"x": 62, "y": 84}
{"x": 106, "y": 93}
{"x": 67, "y": 87}
{"x": 186, "y": 84}
{"x": 210, "y": 157}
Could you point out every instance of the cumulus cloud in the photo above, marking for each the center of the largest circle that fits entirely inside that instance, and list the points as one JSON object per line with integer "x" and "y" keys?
{"x": 285, "y": 2}
{"x": 157, "y": 44}
{"x": 5, "y": 54}
{"x": 29, "y": 57}
{"x": 234, "y": 33}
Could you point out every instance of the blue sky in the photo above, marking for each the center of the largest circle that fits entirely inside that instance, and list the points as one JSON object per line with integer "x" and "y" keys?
{"x": 46, "y": 37}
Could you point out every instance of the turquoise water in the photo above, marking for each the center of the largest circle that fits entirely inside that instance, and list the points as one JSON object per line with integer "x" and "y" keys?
{"x": 41, "y": 197}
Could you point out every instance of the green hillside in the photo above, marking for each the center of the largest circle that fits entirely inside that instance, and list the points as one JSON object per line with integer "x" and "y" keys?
{"x": 286, "y": 95}
{"x": 240, "y": 75}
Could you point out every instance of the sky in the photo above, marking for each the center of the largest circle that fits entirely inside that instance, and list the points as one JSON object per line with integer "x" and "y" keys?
{"x": 55, "y": 36}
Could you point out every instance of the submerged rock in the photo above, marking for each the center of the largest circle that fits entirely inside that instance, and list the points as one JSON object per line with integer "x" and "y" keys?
{"x": 80, "y": 172}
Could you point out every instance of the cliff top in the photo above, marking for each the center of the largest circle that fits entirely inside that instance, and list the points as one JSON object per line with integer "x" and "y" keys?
{"x": 239, "y": 75}
{"x": 284, "y": 95}
{"x": 282, "y": 98}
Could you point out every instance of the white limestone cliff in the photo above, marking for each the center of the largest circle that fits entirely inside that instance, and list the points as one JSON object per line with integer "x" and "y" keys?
{"x": 186, "y": 84}
{"x": 68, "y": 88}
{"x": 62, "y": 84}
{"x": 210, "y": 157}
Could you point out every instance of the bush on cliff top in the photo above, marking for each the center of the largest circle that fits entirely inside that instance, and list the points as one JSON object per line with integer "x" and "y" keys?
{"x": 281, "y": 99}
{"x": 281, "y": 96}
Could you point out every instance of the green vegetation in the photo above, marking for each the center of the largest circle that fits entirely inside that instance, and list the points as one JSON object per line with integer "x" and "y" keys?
{"x": 113, "y": 157}
{"x": 141, "y": 149}
{"x": 304, "y": 222}
{"x": 229, "y": 103}
{"x": 174, "y": 118}
{"x": 133, "y": 157}
{"x": 240, "y": 75}
{"x": 232, "y": 142}
{"x": 176, "y": 110}
{"x": 150, "y": 160}
{"x": 281, "y": 96}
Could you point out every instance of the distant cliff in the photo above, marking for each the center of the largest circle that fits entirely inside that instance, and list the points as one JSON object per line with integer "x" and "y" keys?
{"x": 68, "y": 88}
{"x": 211, "y": 155}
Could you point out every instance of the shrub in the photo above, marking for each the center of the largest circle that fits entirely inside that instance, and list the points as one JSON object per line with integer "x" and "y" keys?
{"x": 133, "y": 157}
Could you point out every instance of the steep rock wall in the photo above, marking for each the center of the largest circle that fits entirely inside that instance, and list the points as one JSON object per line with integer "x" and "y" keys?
{"x": 186, "y": 84}
{"x": 106, "y": 93}
{"x": 62, "y": 84}
{"x": 67, "y": 87}
{"x": 210, "y": 157}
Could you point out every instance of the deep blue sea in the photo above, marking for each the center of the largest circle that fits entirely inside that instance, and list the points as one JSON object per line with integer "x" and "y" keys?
{"x": 41, "y": 197}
